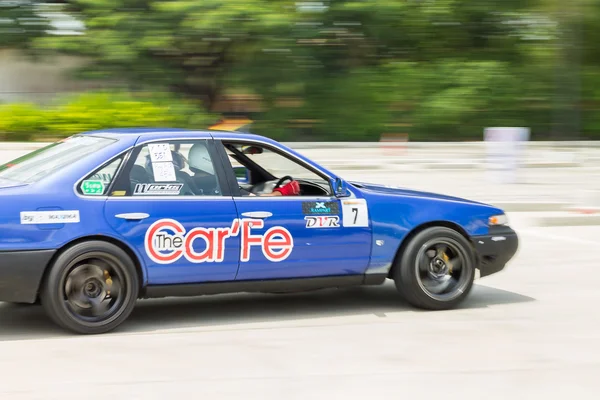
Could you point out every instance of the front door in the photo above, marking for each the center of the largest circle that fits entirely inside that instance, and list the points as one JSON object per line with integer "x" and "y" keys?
{"x": 301, "y": 237}
{"x": 185, "y": 232}
{"x": 311, "y": 235}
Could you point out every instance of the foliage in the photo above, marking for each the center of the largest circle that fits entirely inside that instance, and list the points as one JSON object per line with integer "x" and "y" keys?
{"x": 19, "y": 24}
{"x": 185, "y": 46}
{"x": 101, "y": 110}
{"x": 354, "y": 69}
{"x": 20, "y": 122}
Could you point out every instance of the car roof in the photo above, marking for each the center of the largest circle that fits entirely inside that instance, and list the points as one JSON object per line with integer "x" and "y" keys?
{"x": 137, "y": 131}
{"x": 142, "y": 135}
{"x": 160, "y": 133}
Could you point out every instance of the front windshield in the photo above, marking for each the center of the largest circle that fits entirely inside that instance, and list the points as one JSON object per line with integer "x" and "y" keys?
{"x": 38, "y": 164}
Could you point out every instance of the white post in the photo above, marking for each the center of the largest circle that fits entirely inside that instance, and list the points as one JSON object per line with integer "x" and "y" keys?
{"x": 504, "y": 148}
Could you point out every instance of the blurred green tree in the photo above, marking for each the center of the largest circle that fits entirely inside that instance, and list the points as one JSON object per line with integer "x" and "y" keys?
{"x": 184, "y": 46}
{"x": 588, "y": 21}
{"x": 20, "y": 23}
{"x": 350, "y": 69}
{"x": 434, "y": 70}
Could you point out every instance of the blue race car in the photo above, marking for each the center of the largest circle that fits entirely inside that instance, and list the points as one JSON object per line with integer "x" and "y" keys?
{"x": 96, "y": 221}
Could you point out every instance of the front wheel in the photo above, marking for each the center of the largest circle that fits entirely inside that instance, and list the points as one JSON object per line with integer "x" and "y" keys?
{"x": 91, "y": 288}
{"x": 436, "y": 270}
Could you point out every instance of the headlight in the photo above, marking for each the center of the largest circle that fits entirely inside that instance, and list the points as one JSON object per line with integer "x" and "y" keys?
{"x": 501, "y": 219}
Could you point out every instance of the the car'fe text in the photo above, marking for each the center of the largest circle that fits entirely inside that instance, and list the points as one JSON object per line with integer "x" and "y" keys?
{"x": 162, "y": 247}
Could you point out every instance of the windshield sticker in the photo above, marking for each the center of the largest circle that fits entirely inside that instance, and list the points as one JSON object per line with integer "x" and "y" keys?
{"x": 165, "y": 189}
{"x": 49, "y": 217}
{"x": 322, "y": 221}
{"x": 160, "y": 152}
{"x": 92, "y": 188}
{"x": 320, "y": 207}
{"x": 164, "y": 172}
{"x": 166, "y": 241}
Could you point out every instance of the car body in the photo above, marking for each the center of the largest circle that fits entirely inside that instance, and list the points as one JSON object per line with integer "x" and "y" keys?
{"x": 118, "y": 210}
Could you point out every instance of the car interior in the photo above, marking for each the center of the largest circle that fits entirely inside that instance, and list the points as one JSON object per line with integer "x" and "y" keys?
{"x": 258, "y": 170}
{"x": 194, "y": 184}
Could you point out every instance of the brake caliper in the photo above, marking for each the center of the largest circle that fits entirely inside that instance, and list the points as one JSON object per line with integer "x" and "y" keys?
{"x": 108, "y": 281}
{"x": 447, "y": 261}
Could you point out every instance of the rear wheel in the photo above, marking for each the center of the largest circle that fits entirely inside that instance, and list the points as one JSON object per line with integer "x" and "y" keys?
{"x": 91, "y": 288}
{"x": 436, "y": 270}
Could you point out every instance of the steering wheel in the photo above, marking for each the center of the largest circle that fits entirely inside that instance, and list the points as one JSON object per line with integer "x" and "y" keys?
{"x": 282, "y": 180}
{"x": 267, "y": 187}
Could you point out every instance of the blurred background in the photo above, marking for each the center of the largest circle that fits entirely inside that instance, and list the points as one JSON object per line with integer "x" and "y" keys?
{"x": 385, "y": 87}
{"x": 335, "y": 70}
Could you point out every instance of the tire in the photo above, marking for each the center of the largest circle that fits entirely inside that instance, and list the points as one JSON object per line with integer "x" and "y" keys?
{"x": 90, "y": 270}
{"x": 412, "y": 285}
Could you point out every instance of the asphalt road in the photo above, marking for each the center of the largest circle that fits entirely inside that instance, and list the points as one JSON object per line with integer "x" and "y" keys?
{"x": 530, "y": 332}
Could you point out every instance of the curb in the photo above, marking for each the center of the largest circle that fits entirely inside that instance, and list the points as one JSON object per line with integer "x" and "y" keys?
{"x": 524, "y": 220}
{"x": 529, "y": 206}
{"x": 351, "y": 167}
{"x": 568, "y": 220}
{"x": 450, "y": 166}
{"x": 552, "y": 164}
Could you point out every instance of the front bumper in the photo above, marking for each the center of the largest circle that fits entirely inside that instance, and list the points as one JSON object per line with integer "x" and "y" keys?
{"x": 21, "y": 273}
{"x": 495, "y": 249}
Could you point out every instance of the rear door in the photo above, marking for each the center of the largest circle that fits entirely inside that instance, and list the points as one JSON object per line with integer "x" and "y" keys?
{"x": 185, "y": 235}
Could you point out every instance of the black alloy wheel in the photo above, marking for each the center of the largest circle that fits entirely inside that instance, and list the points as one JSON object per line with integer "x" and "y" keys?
{"x": 436, "y": 270}
{"x": 91, "y": 288}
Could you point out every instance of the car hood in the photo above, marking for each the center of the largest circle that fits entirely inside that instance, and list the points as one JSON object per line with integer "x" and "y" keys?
{"x": 411, "y": 193}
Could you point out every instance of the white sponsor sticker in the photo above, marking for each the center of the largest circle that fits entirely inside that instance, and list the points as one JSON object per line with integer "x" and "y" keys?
{"x": 164, "y": 172}
{"x": 355, "y": 213}
{"x": 49, "y": 217}
{"x": 160, "y": 152}
{"x": 164, "y": 189}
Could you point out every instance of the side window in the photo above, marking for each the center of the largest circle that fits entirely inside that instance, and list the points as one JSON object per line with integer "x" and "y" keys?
{"x": 174, "y": 168}
{"x": 97, "y": 183}
{"x": 247, "y": 160}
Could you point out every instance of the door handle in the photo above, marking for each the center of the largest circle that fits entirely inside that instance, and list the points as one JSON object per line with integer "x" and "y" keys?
{"x": 257, "y": 214}
{"x": 133, "y": 216}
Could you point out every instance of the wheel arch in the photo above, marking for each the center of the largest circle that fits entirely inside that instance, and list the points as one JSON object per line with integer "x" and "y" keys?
{"x": 102, "y": 238}
{"x": 416, "y": 230}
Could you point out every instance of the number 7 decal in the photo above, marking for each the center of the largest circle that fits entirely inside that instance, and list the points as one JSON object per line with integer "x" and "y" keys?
{"x": 355, "y": 213}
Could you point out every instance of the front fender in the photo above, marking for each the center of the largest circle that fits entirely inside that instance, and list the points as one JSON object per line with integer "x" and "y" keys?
{"x": 394, "y": 217}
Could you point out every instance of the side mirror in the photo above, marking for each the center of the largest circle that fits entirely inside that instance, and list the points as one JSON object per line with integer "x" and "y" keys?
{"x": 340, "y": 187}
{"x": 241, "y": 173}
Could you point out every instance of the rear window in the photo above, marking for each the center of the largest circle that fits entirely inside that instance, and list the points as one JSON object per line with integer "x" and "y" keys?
{"x": 40, "y": 163}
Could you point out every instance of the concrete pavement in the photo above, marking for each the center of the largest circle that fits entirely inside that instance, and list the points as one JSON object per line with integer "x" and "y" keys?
{"x": 530, "y": 332}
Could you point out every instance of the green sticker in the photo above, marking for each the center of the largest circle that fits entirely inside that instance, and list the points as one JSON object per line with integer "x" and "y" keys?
{"x": 92, "y": 187}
